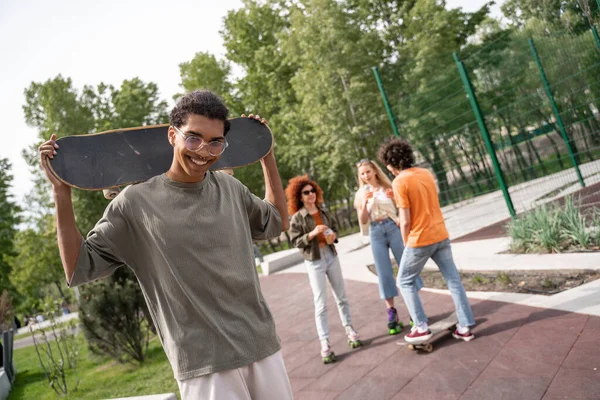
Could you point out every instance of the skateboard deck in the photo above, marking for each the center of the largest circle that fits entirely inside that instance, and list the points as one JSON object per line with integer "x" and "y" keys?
{"x": 121, "y": 157}
{"x": 444, "y": 326}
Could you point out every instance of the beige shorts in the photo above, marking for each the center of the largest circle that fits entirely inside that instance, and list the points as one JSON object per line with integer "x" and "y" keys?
{"x": 266, "y": 379}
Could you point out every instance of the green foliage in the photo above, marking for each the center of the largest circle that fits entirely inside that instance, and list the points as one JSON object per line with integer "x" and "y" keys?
{"x": 9, "y": 218}
{"x": 57, "y": 349}
{"x": 558, "y": 14}
{"x": 114, "y": 317}
{"x": 480, "y": 279}
{"x": 307, "y": 68}
{"x": 554, "y": 229}
{"x": 504, "y": 278}
{"x": 37, "y": 265}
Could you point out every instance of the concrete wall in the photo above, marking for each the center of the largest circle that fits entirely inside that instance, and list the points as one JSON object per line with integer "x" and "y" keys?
{"x": 280, "y": 260}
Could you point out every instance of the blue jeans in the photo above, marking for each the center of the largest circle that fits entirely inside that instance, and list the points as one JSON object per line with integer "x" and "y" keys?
{"x": 384, "y": 236}
{"x": 412, "y": 264}
{"x": 328, "y": 267}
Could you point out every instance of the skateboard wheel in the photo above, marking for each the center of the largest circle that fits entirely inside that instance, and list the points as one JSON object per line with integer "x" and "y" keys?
{"x": 411, "y": 346}
{"x": 111, "y": 193}
{"x": 428, "y": 347}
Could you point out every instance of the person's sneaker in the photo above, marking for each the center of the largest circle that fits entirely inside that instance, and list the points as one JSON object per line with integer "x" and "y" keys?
{"x": 468, "y": 336}
{"x": 416, "y": 337}
{"x": 327, "y": 354}
{"x": 353, "y": 340}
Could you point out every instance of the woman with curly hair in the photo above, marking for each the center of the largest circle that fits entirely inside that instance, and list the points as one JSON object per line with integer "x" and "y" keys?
{"x": 378, "y": 217}
{"x": 314, "y": 232}
{"x": 425, "y": 236}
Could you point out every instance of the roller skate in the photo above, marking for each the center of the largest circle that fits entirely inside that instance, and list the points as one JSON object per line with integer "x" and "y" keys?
{"x": 353, "y": 340}
{"x": 394, "y": 326}
{"x": 326, "y": 353}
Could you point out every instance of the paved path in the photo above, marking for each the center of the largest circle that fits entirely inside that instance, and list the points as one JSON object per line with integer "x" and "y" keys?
{"x": 520, "y": 352}
{"x": 483, "y": 255}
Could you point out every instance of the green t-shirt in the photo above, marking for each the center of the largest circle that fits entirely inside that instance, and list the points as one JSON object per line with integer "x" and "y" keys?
{"x": 190, "y": 246}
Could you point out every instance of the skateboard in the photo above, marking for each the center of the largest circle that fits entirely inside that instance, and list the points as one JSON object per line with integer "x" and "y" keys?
{"x": 111, "y": 159}
{"x": 447, "y": 325}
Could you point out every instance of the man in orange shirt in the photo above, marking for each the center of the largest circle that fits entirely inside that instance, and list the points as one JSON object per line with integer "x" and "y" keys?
{"x": 425, "y": 236}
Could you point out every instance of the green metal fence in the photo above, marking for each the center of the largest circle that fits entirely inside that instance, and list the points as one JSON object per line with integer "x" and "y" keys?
{"x": 508, "y": 125}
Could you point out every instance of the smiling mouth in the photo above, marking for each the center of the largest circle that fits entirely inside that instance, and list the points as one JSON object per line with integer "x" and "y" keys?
{"x": 199, "y": 161}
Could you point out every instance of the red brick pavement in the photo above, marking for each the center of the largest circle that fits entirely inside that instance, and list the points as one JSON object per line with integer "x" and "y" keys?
{"x": 520, "y": 352}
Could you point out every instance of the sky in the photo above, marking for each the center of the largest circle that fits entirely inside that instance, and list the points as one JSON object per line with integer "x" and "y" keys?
{"x": 105, "y": 41}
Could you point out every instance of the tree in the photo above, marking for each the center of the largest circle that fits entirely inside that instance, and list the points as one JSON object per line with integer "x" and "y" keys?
{"x": 204, "y": 71}
{"x": 37, "y": 265}
{"x": 252, "y": 36}
{"x": 9, "y": 219}
{"x": 336, "y": 92}
{"x": 573, "y": 15}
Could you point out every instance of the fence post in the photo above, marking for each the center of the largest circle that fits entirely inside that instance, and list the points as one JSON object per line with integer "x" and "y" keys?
{"x": 385, "y": 101}
{"x": 559, "y": 120}
{"x": 485, "y": 133}
{"x": 595, "y": 32}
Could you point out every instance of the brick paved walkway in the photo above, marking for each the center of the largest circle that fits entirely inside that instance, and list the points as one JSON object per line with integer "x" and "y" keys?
{"x": 520, "y": 352}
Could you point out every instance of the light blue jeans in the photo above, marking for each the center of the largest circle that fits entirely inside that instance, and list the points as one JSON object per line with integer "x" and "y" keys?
{"x": 412, "y": 264}
{"x": 384, "y": 236}
{"x": 318, "y": 272}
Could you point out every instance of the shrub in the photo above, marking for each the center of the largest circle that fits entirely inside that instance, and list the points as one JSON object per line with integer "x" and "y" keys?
{"x": 57, "y": 348}
{"x": 554, "y": 229}
{"x": 114, "y": 317}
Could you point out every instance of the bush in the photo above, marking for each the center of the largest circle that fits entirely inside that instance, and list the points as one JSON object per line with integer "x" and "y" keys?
{"x": 555, "y": 229}
{"x": 57, "y": 348}
{"x": 115, "y": 319}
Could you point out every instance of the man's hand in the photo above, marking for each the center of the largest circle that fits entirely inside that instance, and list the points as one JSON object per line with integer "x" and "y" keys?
{"x": 47, "y": 151}
{"x": 256, "y": 117}
{"x": 69, "y": 238}
{"x": 273, "y": 188}
{"x": 262, "y": 121}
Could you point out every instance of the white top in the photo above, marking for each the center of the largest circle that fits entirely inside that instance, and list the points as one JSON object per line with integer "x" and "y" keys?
{"x": 379, "y": 206}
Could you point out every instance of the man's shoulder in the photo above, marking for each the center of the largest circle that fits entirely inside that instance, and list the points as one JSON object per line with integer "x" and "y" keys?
{"x": 411, "y": 174}
{"x": 131, "y": 193}
{"x": 226, "y": 180}
{"x": 138, "y": 189}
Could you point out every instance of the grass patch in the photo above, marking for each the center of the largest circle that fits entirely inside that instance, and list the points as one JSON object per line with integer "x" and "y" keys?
{"x": 100, "y": 378}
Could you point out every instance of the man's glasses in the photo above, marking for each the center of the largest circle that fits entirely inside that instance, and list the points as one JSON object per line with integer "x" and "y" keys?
{"x": 194, "y": 143}
{"x": 307, "y": 192}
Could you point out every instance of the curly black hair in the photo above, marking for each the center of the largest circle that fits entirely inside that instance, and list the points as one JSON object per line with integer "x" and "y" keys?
{"x": 199, "y": 102}
{"x": 397, "y": 153}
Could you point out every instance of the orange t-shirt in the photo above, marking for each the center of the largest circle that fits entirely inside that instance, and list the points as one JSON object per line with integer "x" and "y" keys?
{"x": 415, "y": 189}
{"x": 319, "y": 221}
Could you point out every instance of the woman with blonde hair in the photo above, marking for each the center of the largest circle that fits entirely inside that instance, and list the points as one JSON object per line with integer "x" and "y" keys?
{"x": 378, "y": 217}
{"x": 314, "y": 232}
